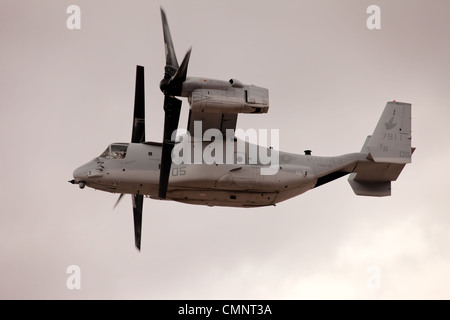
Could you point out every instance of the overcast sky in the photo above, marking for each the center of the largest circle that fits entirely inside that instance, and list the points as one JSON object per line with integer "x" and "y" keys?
{"x": 66, "y": 94}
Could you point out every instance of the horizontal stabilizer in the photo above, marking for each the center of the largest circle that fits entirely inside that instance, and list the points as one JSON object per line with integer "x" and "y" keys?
{"x": 370, "y": 171}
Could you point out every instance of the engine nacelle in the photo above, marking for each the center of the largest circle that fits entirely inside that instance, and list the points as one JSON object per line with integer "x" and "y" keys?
{"x": 235, "y": 98}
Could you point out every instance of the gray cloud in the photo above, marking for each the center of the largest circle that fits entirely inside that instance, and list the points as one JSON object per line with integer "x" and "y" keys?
{"x": 65, "y": 95}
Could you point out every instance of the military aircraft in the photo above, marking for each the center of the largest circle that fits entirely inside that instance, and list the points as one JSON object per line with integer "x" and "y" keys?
{"x": 236, "y": 177}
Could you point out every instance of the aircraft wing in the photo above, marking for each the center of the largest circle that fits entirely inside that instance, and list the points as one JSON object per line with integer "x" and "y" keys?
{"x": 210, "y": 120}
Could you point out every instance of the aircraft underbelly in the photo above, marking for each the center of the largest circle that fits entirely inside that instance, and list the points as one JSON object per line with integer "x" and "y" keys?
{"x": 223, "y": 197}
{"x": 233, "y": 198}
{"x": 233, "y": 186}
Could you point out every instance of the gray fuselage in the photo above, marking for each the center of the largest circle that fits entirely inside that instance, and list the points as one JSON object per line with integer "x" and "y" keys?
{"x": 237, "y": 184}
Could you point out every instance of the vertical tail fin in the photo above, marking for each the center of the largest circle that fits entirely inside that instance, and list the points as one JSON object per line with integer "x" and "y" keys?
{"x": 388, "y": 151}
{"x": 391, "y": 140}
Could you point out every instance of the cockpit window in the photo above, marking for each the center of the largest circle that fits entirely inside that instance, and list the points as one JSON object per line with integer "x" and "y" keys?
{"x": 105, "y": 154}
{"x": 118, "y": 151}
{"x": 115, "y": 151}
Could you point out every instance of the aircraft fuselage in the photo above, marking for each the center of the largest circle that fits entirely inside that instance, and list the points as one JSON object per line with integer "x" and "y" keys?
{"x": 237, "y": 184}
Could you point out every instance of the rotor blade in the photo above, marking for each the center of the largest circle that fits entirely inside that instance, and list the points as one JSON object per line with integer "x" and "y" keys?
{"x": 180, "y": 76}
{"x": 138, "y": 201}
{"x": 118, "y": 200}
{"x": 171, "y": 58}
{"x": 172, "y": 108}
{"x": 138, "y": 134}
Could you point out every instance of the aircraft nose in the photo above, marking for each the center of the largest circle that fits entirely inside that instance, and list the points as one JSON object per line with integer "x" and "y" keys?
{"x": 80, "y": 174}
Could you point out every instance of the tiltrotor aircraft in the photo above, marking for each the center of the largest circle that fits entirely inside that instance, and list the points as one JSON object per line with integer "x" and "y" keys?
{"x": 236, "y": 177}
